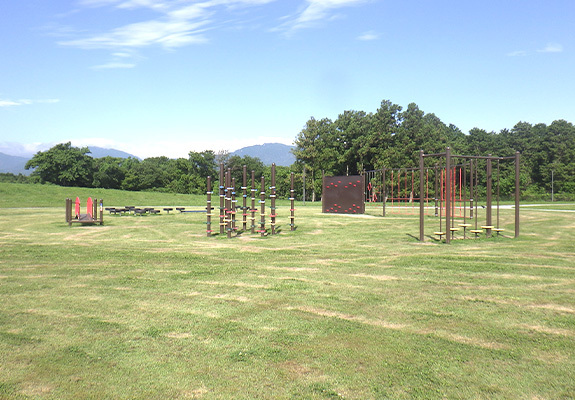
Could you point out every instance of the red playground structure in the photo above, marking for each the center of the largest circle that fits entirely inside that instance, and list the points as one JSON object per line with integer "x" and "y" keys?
{"x": 90, "y": 218}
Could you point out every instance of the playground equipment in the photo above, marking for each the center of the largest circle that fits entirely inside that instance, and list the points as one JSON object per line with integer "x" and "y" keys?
{"x": 343, "y": 194}
{"x": 228, "y": 204}
{"x": 91, "y": 216}
{"x": 447, "y": 191}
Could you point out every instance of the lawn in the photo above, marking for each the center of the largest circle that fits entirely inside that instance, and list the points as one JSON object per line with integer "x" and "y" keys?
{"x": 350, "y": 307}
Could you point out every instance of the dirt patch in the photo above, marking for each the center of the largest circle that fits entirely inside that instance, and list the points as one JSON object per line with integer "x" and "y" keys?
{"x": 194, "y": 393}
{"x": 552, "y": 307}
{"x": 293, "y": 269}
{"x": 548, "y": 330}
{"x": 239, "y": 299}
{"x": 348, "y": 317}
{"x": 37, "y": 390}
{"x": 236, "y": 284}
{"x": 376, "y": 277}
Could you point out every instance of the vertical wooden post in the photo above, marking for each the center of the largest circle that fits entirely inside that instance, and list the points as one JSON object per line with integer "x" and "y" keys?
{"x": 222, "y": 200}
{"x": 262, "y": 229}
{"x": 292, "y": 203}
{"x": 69, "y": 212}
{"x": 209, "y": 207}
{"x": 253, "y": 209}
{"x": 234, "y": 205}
{"x": 245, "y": 201}
{"x": 101, "y": 211}
{"x": 273, "y": 214}
{"x": 229, "y": 202}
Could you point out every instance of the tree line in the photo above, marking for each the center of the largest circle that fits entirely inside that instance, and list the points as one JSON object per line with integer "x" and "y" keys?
{"x": 356, "y": 141}
{"x": 66, "y": 165}
{"x": 391, "y": 137}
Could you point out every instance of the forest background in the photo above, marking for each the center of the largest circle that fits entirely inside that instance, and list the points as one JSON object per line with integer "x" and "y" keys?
{"x": 355, "y": 142}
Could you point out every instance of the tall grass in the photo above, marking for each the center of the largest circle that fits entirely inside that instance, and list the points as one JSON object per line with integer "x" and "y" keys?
{"x": 344, "y": 307}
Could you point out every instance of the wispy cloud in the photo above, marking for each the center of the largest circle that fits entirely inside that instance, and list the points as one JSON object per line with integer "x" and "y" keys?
{"x": 517, "y": 53}
{"x": 25, "y": 102}
{"x": 178, "y": 23}
{"x": 114, "y": 65}
{"x": 315, "y": 13}
{"x": 367, "y": 36}
{"x": 551, "y": 48}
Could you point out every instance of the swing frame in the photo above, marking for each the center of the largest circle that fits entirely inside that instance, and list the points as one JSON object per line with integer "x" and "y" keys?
{"x": 448, "y": 159}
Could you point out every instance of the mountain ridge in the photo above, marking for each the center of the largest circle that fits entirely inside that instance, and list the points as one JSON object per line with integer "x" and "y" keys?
{"x": 268, "y": 153}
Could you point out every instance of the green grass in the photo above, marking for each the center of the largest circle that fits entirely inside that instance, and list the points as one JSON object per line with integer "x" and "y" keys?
{"x": 344, "y": 307}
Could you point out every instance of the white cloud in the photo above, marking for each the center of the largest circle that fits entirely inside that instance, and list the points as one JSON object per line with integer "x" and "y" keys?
{"x": 168, "y": 33}
{"x": 26, "y": 102}
{"x": 114, "y": 65}
{"x": 178, "y": 23}
{"x": 518, "y": 53}
{"x": 551, "y": 48}
{"x": 9, "y": 103}
{"x": 367, "y": 36}
{"x": 314, "y": 13}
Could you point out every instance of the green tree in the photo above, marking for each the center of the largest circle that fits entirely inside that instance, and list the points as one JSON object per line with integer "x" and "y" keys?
{"x": 63, "y": 165}
{"x": 151, "y": 173}
{"x": 109, "y": 173}
{"x": 314, "y": 149}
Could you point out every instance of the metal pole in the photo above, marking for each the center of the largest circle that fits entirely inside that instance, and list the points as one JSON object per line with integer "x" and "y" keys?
{"x": 488, "y": 198}
{"x": 421, "y": 200}
{"x": 517, "y": 190}
{"x": 448, "y": 195}
{"x": 383, "y": 191}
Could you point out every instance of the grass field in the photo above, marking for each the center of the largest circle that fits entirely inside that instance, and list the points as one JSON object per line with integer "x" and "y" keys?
{"x": 350, "y": 307}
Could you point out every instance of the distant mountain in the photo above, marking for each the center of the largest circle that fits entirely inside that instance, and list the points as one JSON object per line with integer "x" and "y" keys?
{"x": 99, "y": 152}
{"x": 269, "y": 153}
{"x": 16, "y": 164}
{"x": 13, "y": 164}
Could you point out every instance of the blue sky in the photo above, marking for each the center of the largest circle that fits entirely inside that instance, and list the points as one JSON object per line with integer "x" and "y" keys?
{"x": 165, "y": 77}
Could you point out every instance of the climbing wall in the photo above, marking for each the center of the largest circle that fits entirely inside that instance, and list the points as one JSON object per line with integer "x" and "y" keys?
{"x": 343, "y": 194}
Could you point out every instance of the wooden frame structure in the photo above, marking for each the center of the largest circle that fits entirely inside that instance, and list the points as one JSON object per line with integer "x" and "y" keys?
{"x": 448, "y": 157}
{"x": 92, "y": 216}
